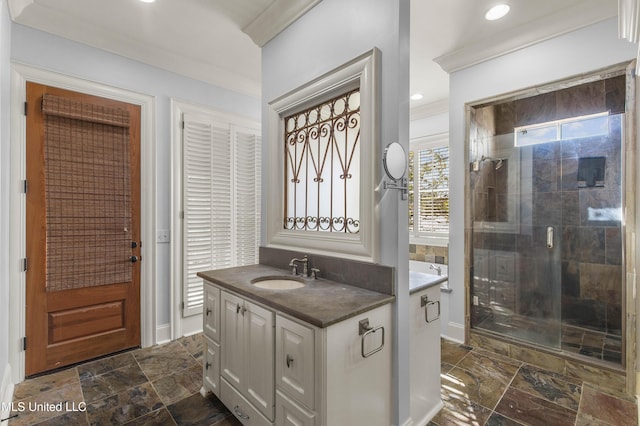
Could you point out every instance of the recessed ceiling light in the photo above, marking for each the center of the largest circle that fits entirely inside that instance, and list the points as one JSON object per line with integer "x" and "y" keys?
{"x": 496, "y": 12}
{"x": 416, "y": 96}
{"x": 148, "y": 1}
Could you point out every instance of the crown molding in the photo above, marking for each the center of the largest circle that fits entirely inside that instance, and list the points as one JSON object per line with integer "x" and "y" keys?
{"x": 564, "y": 21}
{"x": 17, "y": 6}
{"x": 275, "y": 18}
{"x": 440, "y": 106}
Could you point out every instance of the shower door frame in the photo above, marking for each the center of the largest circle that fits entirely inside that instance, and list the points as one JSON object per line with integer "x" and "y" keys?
{"x": 629, "y": 239}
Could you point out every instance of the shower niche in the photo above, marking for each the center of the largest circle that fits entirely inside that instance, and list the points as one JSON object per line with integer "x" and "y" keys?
{"x": 546, "y": 201}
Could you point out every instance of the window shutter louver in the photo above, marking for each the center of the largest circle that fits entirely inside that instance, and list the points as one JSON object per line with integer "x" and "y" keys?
{"x": 221, "y": 201}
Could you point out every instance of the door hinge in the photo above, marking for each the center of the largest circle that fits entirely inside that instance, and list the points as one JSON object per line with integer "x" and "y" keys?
{"x": 25, "y": 264}
{"x": 182, "y": 306}
{"x": 25, "y": 186}
{"x": 26, "y": 108}
{"x": 182, "y": 124}
{"x": 24, "y": 343}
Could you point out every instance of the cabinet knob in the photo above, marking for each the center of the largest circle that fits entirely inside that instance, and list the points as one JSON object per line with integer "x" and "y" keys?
{"x": 207, "y": 365}
{"x": 237, "y": 308}
{"x": 289, "y": 361}
{"x": 208, "y": 312}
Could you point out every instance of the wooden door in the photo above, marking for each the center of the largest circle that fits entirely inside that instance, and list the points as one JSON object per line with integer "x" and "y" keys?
{"x": 83, "y": 227}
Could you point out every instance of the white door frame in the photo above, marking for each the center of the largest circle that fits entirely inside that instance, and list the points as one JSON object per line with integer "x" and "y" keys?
{"x": 20, "y": 74}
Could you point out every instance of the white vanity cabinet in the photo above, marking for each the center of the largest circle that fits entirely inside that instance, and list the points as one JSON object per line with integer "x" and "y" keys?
{"x": 246, "y": 348}
{"x": 334, "y": 375}
{"x": 211, "y": 328}
{"x": 277, "y": 369}
{"x": 424, "y": 328}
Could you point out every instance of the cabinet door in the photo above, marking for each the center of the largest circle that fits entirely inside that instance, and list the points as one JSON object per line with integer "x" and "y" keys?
{"x": 211, "y": 367}
{"x": 232, "y": 339}
{"x": 212, "y": 312}
{"x": 295, "y": 360}
{"x": 259, "y": 342}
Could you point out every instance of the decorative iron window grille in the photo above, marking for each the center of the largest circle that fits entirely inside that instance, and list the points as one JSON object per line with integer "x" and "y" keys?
{"x": 322, "y": 166}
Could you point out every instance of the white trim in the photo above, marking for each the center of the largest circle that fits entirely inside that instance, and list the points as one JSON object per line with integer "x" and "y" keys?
{"x": 454, "y": 332}
{"x": 431, "y": 413}
{"x": 6, "y": 392}
{"x": 431, "y": 109}
{"x": 20, "y": 74}
{"x": 275, "y": 18}
{"x": 564, "y": 21}
{"x": 184, "y": 326}
{"x": 360, "y": 71}
{"x": 163, "y": 334}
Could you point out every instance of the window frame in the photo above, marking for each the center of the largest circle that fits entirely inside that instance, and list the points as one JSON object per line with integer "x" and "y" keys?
{"x": 360, "y": 72}
{"x": 439, "y": 239}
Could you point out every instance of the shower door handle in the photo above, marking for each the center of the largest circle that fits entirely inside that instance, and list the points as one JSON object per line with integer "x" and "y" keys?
{"x": 550, "y": 237}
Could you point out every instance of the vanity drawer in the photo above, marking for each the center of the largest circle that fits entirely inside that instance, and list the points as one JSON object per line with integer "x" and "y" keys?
{"x": 211, "y": 367}
{"x": 240, "y": 407}
{"x": 288, "y": 413}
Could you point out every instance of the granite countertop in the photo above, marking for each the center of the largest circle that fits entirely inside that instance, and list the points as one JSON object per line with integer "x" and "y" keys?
{"x": 421, "y": 280}
{"x": 320, "y": 302}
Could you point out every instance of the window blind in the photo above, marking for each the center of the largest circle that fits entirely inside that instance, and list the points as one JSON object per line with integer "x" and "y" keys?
{"x": 429, "y": 173}
{"x": 221, "y": 201}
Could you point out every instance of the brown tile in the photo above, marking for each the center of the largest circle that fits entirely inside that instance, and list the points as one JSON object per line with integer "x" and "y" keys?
{"x": 479, "y": 388}
{"x": 608, "y": 408}
{"x": 488, "y": 344}
{"x": 194, "y": 344}
{"x": 99, "y": 387}
{"x": 198, "y": 410}
{"x": 71, "y": 418}
{"x": 452, "y": 353}
{"x": 498, "y": 419}
{"x": 587, "y": 420}
{"x": 605, "y": 379}
{"x": 529, "y": 409}
{"x": 35, "y": 386}
{"x": 530, "y": 356}
{"x": 175, "y": 387}
{"x": 460, "y": 411}
{"x": 159, "y": 417}
{"x": 104, "y": 365}
{"x": 124, "y": 406}
{"x": 53, "y": 403}
{"x": 548, "y": 385}
{"x": 164, "y": 360}
{"x": 488, "y": 367}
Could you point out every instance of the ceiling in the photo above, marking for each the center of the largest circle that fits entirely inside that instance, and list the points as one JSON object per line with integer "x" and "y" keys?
{"x": 217, "y": 41}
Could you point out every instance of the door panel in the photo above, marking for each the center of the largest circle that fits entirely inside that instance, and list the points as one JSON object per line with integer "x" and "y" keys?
{"x": 83, "y": 227}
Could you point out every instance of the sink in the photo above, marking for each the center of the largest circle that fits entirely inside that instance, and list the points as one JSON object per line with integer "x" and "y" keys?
{"x": 278, "y": 283}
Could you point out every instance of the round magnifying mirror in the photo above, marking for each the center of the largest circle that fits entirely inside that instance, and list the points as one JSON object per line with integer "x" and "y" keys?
{"x": 394, "y": 161}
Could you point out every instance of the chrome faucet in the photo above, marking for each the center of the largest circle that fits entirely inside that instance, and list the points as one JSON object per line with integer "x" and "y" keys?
{"x": 294, "y": 267}
{"x": 438, "y": 269}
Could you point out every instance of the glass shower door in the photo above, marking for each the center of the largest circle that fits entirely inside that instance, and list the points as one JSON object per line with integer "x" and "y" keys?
{"x": 517, "y": 240}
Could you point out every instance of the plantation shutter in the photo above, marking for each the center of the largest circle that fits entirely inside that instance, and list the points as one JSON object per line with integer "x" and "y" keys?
{"x": 220, "y": 201}
{"x": 433, "y": 190}
{"x": 247, "y": 196}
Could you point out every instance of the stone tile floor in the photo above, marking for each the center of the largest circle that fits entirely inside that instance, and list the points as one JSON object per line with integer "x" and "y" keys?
{"x": 160, "y": 386}
{"x": 482, "y": 388}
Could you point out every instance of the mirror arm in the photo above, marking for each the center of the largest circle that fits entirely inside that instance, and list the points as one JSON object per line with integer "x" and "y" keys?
{"x": 401, "y": 185}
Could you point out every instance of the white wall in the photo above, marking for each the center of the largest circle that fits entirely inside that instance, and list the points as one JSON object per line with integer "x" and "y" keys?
{"x": 5, "y": 48}
{"x": 581, "y": 51}
{"x": 330, "y": 34}
{"x": 42, "y": 50}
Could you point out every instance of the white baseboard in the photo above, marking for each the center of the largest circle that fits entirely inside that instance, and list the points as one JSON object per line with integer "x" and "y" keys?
{"x": 163, "y": 334}
{"x": 409, "y": 422}
{"x": 454, "y": 332}
{"x": 7, "y": 393}
{"x": 431, "y": 414}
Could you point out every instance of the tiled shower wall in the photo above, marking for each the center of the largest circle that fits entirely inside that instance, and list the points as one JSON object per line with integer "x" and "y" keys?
{"x": 431, "y": 254}
{"x": 591, "y": 255}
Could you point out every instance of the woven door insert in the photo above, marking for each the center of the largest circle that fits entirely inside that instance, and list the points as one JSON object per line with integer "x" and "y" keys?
{"x": 88, "y": 194}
